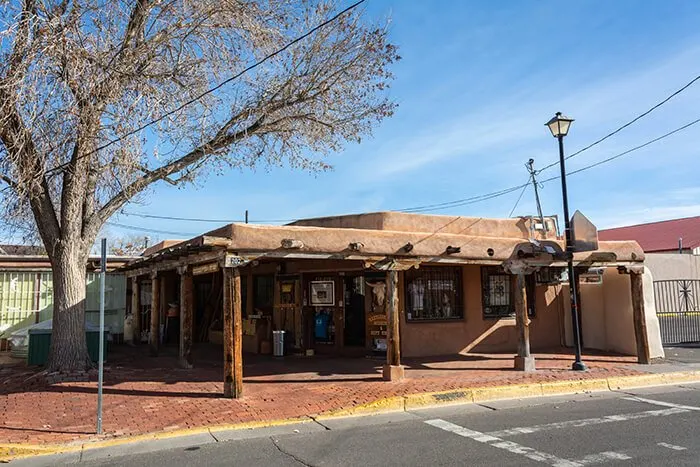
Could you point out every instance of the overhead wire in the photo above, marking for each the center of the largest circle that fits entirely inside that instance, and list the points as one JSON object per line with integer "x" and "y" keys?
{"x": 215, "y": 88}
{"x": 624, "y": 153}
{"x": 464, "y": 201}
{"x": 460, "y": 202}
{"x": 519, "y": 198}
{"x": 147, "y": 230}
{"x": 612, "y": 133}
{"x": 195, "y": 219}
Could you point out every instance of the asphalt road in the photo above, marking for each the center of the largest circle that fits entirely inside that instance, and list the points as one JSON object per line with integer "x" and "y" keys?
{"x": 653, "y": 426}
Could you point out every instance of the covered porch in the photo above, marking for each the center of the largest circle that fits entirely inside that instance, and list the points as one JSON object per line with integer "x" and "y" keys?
{"x": 370, "y": 292}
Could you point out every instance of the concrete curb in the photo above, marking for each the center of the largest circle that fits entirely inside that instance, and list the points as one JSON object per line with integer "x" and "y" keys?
{"x": 10, "y": 452}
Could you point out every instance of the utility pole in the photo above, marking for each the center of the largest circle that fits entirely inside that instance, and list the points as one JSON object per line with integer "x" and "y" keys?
{"x": 533, "y": 175}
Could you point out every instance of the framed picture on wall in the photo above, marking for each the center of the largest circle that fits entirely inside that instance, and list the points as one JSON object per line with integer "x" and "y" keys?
{"x": 322, "y": 293}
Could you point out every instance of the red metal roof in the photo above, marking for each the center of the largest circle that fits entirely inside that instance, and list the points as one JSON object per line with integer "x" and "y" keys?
{"x": 659, "y": 236}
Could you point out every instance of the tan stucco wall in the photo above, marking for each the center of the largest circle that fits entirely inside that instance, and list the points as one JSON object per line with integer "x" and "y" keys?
{"x": 475, "y": 334}
{"x": 656, "y": 349}
{"x": 606, "y": 315}
{"x": 668, "y": 266}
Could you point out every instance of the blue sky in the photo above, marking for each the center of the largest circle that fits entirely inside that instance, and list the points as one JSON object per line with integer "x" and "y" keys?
{"x": 475, "y": 86}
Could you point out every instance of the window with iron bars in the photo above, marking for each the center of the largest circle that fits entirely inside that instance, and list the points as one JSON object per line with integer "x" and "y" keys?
{"x": 497, "y": 287}
{"x": 433, "y": 293}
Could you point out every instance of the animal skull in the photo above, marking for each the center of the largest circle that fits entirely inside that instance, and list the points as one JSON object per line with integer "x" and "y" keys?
{"x": 378, "y": 293}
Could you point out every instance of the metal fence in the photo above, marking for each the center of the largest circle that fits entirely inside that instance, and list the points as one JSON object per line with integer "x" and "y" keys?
{"x": 678, "y": 309}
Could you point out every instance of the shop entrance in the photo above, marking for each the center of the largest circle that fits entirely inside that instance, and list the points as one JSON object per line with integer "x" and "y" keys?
{"x": 354, "y": 325}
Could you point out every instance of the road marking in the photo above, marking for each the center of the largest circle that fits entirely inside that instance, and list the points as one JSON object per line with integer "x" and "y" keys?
{"x": 662, "y": 403}
{"x": 528, "y": 452}
{"x": 672, "y": 446}
{"x": 603, "y": 457}
{"x": 585, "y": 422}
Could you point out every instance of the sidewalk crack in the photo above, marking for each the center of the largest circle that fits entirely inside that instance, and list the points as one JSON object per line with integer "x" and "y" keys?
{"x": 289, "y": 454}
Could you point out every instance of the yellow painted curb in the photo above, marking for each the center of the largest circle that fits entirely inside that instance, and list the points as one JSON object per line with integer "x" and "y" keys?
{"x": 636, "y": 381}
{"x": 576, "y": 386}
{"x": 10, "y": 452}
{"x": 388, "y": 404}
{"x": 430, "y": 399}
{"x": 507, "y": 392}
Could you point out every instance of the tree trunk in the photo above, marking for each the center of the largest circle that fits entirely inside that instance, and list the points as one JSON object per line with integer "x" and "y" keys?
{"x": 68, "y": 345}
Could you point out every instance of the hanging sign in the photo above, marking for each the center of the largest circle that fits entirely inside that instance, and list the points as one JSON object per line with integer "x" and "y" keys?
{"x": 207, "y": 268}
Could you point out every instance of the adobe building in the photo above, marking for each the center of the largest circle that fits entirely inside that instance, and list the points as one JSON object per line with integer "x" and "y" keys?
{"x": 389, "y": 283}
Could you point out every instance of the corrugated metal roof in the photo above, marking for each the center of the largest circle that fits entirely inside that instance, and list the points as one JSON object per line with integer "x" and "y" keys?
{"x": 659, "y": 236}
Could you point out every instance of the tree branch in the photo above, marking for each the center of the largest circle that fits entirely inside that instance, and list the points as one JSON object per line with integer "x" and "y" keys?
{"x": 219, "y": 141}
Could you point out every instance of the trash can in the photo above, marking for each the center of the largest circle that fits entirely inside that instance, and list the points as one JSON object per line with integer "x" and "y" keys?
{"x": 278, "y": 343}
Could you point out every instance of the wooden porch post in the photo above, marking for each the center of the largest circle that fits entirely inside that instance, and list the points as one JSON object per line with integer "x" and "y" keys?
{"x": 638, "y": 315}
{"x": 233, "y": 334}
{"x": 393, "y": 371}
{"x": 154, "y": 339}
{"x": 136, "y": 308}
{"x": 186, "y": 316}
{"x": 523, "y": 361}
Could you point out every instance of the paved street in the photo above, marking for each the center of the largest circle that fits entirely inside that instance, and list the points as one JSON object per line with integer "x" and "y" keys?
{"x": 654, "y": 426}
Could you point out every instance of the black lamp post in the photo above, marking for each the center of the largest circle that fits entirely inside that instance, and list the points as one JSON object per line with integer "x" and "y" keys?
{"x": 559, "y": 126}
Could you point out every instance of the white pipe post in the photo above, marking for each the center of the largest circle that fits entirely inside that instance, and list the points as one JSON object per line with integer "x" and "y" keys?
{"x": 103, "y": 270}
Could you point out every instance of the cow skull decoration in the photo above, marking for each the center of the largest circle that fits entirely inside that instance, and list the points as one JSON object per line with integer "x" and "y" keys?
{"x": 378, "y": 295}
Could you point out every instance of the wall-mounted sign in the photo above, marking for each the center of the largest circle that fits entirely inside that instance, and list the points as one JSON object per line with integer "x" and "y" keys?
{"x": 233, "y": 261}
{"x": 207, "y": 268}
{"x": 377, "y": 319}
{"x": 322, "y": 293}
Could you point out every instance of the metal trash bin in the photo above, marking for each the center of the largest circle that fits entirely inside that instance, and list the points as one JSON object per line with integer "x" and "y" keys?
{"x": 278, "y": 343}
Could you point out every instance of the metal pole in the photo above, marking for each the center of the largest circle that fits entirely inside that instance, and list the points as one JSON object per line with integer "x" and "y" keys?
{"x": 103, "y": 269}
{"x": 573, "y": 286}
{"x": 531, "y": 169}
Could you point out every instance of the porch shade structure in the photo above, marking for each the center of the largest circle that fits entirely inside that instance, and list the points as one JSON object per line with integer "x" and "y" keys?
{"x": 375, "y": 240}
{"x": 154, "y": 339}
{"x": 186, "y": 316}
{"x": 392, "y": 370}
{"x": 233, "y": 334}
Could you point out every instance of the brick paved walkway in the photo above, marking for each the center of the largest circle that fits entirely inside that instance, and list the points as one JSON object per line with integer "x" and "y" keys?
{"x": 144, "y": 394}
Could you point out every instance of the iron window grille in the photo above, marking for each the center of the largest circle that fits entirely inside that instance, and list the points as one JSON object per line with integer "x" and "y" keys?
{"x": 433, "y": 293}
{"x": 497, "y": 293}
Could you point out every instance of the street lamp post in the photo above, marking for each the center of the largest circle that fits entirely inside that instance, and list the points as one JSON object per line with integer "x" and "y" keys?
{"x": 559, "y": 126}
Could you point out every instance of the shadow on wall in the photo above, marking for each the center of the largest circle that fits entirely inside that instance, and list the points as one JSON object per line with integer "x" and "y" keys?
{"x": 496, "y": 334}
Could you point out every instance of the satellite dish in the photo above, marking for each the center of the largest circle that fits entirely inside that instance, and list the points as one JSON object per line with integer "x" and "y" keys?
{"x": 584, "y": 235}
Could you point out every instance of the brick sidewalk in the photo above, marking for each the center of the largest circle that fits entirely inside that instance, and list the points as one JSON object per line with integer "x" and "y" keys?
{"x": 144, "y": 394}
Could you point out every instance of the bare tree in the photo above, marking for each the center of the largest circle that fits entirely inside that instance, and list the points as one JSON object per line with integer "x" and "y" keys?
{"x": 78, "y": 79}
{"x": 128, "y": 245}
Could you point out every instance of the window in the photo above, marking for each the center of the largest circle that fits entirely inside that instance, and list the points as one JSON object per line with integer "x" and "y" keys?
{"x": 433, "y": 293}
{"x": 497, "y": 293}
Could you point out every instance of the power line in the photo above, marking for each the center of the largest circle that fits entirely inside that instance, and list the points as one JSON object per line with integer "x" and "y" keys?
{"x": 461, "y": 202}
{"x": 464, "y": 201}
{"x": 195, "y": 219}
{"x": 624, "y": 153}
{"x": 519, "y": 198}
{"x": 144, "y": 229}
{"x": 638, "y": 117}
{"x": 218, "y": 86}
